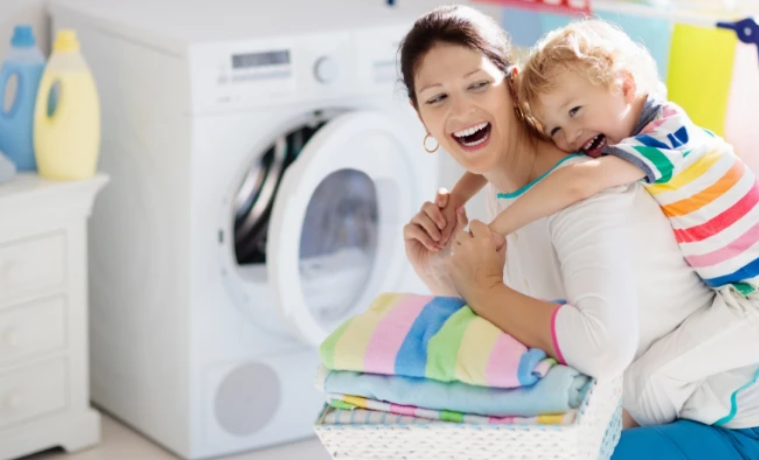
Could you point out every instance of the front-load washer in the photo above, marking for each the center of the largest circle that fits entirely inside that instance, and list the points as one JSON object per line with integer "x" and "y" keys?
{"x": 263, "y": 162}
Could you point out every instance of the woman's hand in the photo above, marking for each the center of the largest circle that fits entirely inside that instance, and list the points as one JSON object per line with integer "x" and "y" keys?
{"x": 476, "y": 263}
{"x": 424, "y": 247}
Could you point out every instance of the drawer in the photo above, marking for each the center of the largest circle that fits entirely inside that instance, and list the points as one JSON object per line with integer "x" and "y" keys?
{"x": 31, "y": 392}
{"x": 32, "y": 328}
{"x": 31, "y": 265}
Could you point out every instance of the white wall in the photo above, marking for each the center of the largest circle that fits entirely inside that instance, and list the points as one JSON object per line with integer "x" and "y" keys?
{"x": 14, "y": 12}
{"x": 32, "y": 12}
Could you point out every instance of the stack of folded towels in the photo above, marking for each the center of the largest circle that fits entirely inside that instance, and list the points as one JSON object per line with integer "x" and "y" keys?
{"x": 413, "y": 358}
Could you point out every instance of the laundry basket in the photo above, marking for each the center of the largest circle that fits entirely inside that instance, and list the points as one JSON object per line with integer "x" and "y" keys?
{"x": 593, "y": 435}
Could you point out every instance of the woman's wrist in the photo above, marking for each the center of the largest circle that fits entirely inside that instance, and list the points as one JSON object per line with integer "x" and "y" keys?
{"x": 437, "y": 280}
{"x": 441, "y": 283}
{"x": 484, "y": 299}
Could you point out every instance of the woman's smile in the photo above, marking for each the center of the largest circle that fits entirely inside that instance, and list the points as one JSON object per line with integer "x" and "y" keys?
{"x": 473, "y": 138}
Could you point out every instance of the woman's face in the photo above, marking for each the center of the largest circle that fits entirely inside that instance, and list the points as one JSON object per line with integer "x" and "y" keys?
{"x": 465, "y": 103}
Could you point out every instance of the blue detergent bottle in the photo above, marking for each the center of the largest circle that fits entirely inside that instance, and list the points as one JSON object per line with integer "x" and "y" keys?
{"x": 23, "y": 69}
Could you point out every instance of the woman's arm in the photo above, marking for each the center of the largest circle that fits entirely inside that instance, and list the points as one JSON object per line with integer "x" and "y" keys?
{"x": 596, "y": 329}
{"x": 525, "y": 318}
{"x": 563, "y": 188}
{"x": 438, "y": 282}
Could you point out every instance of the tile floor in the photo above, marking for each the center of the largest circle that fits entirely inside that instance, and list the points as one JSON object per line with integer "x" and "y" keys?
{"x": 121, "y": 443}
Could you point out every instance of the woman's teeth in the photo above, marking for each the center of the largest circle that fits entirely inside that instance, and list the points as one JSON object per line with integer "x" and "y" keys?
{"x": 470, "y": 131}
{"x": 474, "y": 136}
{"x": 472, "y": 144}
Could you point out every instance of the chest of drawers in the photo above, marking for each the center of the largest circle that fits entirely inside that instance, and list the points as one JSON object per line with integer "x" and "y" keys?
{"x": 44, "y": 378}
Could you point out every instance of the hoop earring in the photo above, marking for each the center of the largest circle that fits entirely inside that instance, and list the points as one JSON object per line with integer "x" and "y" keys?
{"x": 424, "y": 144}
{"x": 519, "y": 113}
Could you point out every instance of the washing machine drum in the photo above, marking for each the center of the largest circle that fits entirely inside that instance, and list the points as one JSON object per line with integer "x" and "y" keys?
{"x": 324, "y": 208}
{"x": 255, "y": 199}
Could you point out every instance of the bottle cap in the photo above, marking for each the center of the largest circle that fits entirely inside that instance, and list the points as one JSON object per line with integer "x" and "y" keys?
{"x": 66, "y": 42}
{"x": 23, "y": 37}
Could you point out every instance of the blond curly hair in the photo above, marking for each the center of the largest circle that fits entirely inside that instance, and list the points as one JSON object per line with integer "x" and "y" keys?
{"x": 593, "y": 48}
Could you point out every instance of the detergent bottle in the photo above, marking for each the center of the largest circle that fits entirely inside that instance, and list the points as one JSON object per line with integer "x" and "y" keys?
{"x": 24, "y": 65}
{"x": 67, "y": 136}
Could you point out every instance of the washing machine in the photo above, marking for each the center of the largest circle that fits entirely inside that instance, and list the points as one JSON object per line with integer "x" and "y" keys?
{"x": 263, "y": 161}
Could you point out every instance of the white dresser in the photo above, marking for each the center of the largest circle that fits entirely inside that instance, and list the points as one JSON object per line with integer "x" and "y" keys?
{"x": 44, "y": 371}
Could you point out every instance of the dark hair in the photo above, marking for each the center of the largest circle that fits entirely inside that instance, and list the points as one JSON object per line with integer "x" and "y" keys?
{"x": 456, "y": 25}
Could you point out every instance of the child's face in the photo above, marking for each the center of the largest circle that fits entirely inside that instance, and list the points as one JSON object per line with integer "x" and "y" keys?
{"x": 580, "y": 116}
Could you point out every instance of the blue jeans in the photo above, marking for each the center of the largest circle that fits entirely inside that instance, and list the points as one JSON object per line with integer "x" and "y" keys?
{"x": 687, "y": 440}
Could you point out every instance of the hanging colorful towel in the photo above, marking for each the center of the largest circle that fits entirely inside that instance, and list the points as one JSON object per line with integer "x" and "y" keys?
{"x": 743, "y": 101}
{"x": 359, "y": 405}
{"x": 699, "y": 58}
{"x": 438, "y": 338}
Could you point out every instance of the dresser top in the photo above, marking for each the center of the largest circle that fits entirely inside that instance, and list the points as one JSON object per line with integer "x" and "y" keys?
{"x": 25, "y": 185}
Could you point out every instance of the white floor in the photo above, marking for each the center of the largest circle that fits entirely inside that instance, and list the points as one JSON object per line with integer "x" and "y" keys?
{"x": 121, "y": 443}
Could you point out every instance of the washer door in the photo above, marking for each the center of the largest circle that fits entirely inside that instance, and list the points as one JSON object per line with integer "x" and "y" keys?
{"x": 335, "y": 236}
{"x": 255, "y": 198}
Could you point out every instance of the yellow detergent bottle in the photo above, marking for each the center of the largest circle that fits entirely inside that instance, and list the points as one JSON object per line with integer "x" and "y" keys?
{"x": 67, "y": 123}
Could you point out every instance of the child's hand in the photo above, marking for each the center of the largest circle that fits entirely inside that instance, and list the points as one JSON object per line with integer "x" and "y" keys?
{"x": 498, "y": 240}
{"x": 449, "y": 205}
{"x": 425, "y": 227}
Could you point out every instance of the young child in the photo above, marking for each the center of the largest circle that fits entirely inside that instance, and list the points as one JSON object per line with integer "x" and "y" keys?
{"x": 594, "y": 91}
{"x": 583, "y": 84}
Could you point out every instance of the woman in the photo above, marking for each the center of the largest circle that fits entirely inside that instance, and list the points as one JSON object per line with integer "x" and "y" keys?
{"x": 613, "y": 256}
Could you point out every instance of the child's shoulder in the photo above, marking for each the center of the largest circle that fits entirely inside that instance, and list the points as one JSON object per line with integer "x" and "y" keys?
{"x": 672, "y": 122}
{"x": 663, "y": 116}
{"x": 672, "y": 109}
{"x": 656, "y": 109}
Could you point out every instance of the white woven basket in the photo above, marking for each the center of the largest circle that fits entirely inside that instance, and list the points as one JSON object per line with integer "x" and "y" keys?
{"x": 593, "y": 436}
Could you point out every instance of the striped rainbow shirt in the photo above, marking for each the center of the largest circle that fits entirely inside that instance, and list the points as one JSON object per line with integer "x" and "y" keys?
{"x": 707, "y": 192}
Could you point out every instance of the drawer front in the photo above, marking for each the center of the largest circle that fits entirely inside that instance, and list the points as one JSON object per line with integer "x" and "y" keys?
{"x": 31, "y": 392}
{"x": 31, "y": 265}
{"x": 32, "y": 328}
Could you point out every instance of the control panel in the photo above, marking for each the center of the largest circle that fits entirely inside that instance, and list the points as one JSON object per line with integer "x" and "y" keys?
{"x": 280, "y": 70}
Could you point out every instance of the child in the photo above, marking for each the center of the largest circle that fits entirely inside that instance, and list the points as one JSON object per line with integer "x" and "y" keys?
{"x": 587, "y": 103}
{"x": 593, "y": 90}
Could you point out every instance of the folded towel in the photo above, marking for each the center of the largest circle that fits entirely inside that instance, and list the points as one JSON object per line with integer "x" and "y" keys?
{"x": 333, "y": 416}
{"x": 438, "y": 338}
{"x": 354, "y": 410}
{"x": 561, "y": 390}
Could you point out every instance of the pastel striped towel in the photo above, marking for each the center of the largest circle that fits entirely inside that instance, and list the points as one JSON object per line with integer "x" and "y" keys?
{"x": 438, "y": 338}
{"x": 361, "y": 408}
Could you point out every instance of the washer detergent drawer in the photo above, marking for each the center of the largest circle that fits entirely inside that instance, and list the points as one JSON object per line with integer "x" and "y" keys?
{"x": 33, "y": 391}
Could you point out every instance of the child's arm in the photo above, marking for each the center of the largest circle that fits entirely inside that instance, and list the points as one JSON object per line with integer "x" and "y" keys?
{"x": 466, "y": 188}
{"x": 563, "y": 188}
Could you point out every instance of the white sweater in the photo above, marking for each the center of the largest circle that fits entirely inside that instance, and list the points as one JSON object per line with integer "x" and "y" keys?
{"x": 615, "y": 260}
{"x": 583, "y": 254}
